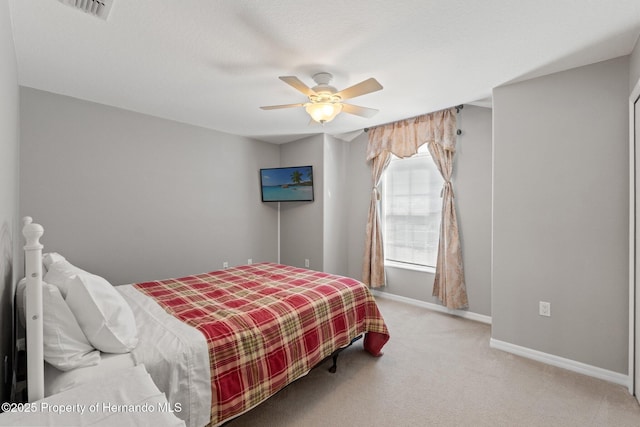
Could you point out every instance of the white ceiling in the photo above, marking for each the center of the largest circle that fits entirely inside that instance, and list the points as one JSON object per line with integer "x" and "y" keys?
{"x": 213, "y": 63}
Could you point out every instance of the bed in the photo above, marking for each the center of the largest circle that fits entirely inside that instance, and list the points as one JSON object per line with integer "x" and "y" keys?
{"x": 216, "y": 344}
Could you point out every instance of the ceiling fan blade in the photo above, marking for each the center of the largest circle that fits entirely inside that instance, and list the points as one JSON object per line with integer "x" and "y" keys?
{"x": 296, "y": 83}
{"x": 362, "y": 88}
{"x": 359, "y": 111}
{"x": 275, "y": 107}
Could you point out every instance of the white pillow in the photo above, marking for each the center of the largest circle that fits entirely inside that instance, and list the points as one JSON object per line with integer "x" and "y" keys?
{"x": 102, "y": 313}
{"x": 59, "y": 272}
{"x": 50, "y": 258}
{"x": 65, "y": 345}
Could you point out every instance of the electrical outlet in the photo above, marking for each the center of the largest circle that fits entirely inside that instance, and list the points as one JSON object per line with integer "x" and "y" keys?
{"x": 225, "y": 264}
{"x": 545, "y": 309}
{"x": 306, "y": 262}
{"x": 250, "y": 261}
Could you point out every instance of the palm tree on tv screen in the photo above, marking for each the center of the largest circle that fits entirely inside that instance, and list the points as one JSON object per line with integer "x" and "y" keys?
{"x": 296, "y": 177}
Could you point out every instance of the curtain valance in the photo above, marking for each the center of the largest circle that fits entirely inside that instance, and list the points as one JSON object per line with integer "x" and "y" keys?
{"x": 403, "y": 138}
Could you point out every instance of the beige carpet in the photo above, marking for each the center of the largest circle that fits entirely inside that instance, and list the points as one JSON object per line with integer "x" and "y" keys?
{"x": 438, "y": 370}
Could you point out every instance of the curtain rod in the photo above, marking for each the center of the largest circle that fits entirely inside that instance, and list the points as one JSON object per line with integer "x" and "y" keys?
{"x": 457, "y": 107}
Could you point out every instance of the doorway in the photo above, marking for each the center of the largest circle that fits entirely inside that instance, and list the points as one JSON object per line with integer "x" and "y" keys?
{"x": 634, "y": 259}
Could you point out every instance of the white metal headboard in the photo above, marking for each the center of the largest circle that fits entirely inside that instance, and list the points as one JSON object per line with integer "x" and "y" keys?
{"x": 33, "y": 308}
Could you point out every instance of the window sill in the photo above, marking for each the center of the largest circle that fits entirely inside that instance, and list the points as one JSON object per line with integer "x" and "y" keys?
{"x": 403, "y": 266}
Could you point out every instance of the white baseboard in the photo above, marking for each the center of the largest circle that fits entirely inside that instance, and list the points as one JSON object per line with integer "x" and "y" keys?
{"x": 561, "y": 362}
{"x": 435, "y": 307}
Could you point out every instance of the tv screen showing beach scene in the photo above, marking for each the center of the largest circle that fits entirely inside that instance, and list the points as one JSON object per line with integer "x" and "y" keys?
{"x": 292, "y": 184}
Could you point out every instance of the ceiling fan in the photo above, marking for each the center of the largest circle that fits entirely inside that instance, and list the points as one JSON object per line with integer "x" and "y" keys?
{"x": 325, "y": 101}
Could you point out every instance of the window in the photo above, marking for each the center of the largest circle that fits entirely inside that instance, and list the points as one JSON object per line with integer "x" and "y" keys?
{"x": 411, "y": 209}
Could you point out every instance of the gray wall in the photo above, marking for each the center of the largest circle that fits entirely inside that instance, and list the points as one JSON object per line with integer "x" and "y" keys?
{"x": 335, "y": 197}
{"x": 359, "y": 179}
{"x": 472, "y": 187}
{"x": 317, "y": 231}
{"x": 560, "y": 214}
{"x": 133, "y": 197}
{"x": 301, "y": 223}
{"x": 9, "y": 223}
{"x": 634, "y": 67}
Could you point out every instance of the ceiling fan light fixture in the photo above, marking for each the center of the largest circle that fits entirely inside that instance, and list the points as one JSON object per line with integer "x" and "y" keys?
{"x": 323, "y": 112}
{"x": 325, "y": 103}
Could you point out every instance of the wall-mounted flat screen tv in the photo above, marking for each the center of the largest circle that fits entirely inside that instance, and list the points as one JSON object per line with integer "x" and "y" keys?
{"x": 292, "y": 184}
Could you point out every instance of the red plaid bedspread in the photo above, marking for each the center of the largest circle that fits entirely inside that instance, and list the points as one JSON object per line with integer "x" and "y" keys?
{"x": 267, "y": 325}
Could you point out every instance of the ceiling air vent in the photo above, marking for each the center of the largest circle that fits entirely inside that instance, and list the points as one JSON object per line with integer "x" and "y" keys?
{"x": 97, "y": 8}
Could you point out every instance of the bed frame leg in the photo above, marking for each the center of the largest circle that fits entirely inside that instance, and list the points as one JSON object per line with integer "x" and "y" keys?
{"x": 334, "y": 367}
{"x": 336, "y": 353}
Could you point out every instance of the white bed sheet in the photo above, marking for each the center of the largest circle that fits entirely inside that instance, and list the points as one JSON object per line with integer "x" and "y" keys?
{"x": 57, "y": 381}
{"x": 126, "y": 398}
{"x": 176, "y": 356}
